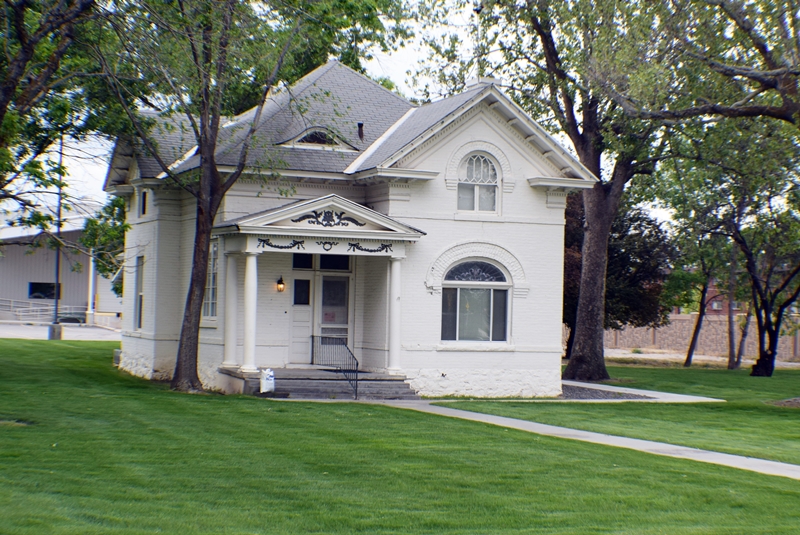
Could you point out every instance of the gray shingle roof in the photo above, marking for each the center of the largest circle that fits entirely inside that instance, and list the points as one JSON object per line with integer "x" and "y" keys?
{"x": 334, "y": 97}
{"x": 173, "y": 137}
{"x": 422, "y": 119}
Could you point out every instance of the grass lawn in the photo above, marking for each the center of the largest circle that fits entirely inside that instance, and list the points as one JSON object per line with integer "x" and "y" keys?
{"x": 746, "y": 425}
{"x": 107, "y": 453}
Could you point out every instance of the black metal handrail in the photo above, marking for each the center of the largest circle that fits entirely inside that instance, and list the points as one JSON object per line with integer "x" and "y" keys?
{"x": 332, "y": 351}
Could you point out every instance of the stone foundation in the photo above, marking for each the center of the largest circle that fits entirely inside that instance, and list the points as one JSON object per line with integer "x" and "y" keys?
{"x": 485, "y": 383}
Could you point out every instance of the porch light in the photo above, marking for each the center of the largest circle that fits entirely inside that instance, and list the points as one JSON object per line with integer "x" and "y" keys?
{"x": 281, "y": 284}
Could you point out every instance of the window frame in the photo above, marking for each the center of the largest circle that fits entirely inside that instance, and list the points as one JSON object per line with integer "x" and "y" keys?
{"x": 462, "y": 181}
{"x": 211, "y": 293}
{"x": 506, "y": 285}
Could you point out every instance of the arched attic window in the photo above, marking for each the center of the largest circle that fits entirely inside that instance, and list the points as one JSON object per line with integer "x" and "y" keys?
{"x": 320, "y": 139}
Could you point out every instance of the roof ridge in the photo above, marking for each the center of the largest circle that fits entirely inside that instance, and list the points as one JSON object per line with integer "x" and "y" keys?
{"x": 392, "y": 93}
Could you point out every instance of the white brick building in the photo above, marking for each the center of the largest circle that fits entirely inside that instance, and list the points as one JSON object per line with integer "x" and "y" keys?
{"x": 427, "y": 239}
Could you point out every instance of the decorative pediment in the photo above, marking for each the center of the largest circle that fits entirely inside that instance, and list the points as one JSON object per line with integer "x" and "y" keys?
{"x": 325, "y": 217}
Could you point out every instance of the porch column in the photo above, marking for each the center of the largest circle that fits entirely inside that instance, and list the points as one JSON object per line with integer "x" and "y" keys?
{"x": 250, "y": 309}
{"x": 231, "y": 306}
{"x": 394, "y": 313}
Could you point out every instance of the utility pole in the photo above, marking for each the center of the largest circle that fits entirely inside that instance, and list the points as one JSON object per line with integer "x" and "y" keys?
{"x": 54, "y": 332}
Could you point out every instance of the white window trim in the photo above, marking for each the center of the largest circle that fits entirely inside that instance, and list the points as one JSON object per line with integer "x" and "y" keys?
{"x": 480, "y": 345}
{"x": 213, "y": 269}
{"x": 498, "y": 185}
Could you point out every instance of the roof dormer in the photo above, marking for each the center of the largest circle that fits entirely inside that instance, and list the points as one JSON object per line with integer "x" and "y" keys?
{"x": 319, "y": 138}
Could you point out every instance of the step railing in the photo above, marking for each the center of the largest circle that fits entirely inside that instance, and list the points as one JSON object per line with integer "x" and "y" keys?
{"x": 333, "y": 352}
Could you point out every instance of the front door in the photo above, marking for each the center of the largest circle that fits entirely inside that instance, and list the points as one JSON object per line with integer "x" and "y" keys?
{"x": 334, "y": 306}
{"x": 302, "y": 318}
{"x": 322, "y": 302}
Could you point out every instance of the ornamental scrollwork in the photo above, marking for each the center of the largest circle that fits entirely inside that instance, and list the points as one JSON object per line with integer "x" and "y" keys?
{"x": 327, "y": 245}
{"x": 384, "y": 247}
{"x": 328, "y": 218}
{"x": 265, "y": 242}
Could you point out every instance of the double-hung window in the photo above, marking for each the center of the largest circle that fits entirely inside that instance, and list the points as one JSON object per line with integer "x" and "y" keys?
{"x": 477, "y": 185}
{"x": 475, "y": 303}
{"x": 210, "y": 296}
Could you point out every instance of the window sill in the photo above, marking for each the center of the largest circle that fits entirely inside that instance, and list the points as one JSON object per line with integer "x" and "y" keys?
{"x": 476, "y": 346}
{"x": 476, "y": 216}
{"x": 208, "y": 323}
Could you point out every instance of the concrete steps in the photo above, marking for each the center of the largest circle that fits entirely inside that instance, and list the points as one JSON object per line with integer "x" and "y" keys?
{"x": 316, "y": 383}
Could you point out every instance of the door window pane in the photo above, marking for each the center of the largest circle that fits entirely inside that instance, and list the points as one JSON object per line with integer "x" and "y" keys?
{"x": 449, "y": 315}
{"x": 334, "y": 262}
{"x": 302, "y": 292}
{"x": 499, "y": 308}
{"x": 486, "y": 198}
{"x": 473, "y": 314}
{"x": 334, "y": 300}
{"x": 466, "y": 197}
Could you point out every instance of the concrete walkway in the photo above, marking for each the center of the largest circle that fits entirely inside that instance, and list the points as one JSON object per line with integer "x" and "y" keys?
{"x": 653, "y": 395}
{"x": 70, "y": 332}
{"x": 751, "y": 464}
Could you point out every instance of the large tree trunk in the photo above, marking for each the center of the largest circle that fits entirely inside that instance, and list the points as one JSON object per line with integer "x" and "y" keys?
{"x": 767, "y": 351}
{"x": 586, "y": 361}
{"x": 185, "y": 378}
{"x": 698, "y": 324}
{"x": 731, "y": 314}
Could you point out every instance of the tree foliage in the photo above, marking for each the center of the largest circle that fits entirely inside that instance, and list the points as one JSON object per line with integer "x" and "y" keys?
{"x": 50, "y": 88}
{"x": 730, "y": 58}
{"x": 103, "y": 237}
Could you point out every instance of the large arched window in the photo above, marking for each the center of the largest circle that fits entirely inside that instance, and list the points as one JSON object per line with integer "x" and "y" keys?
{"x": 477, "y": 185}
{"x": 475, "y": 302}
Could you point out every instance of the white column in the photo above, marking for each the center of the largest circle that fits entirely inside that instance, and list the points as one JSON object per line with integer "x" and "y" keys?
{"x": 231, "y": 306}
{"x": 250, "y": 310}
{"x": 394, "y": 313}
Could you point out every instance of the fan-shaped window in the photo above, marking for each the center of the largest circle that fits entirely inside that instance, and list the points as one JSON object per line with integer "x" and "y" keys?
{"x": 318, "y": 137}
{"x": 477, "y": 185}
{"x": 475, "y": 303}
{"x": 476, "y": 272}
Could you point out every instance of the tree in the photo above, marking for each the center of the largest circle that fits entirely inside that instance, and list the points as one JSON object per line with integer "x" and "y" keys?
{"x": 202, "y": 59}
{"x": 744, "y": 187}
{"x": 104, "y": 238}
{"x": 727, "y": 58}
{"x": 640, "y": 255}
{"x": 49, "y": 89}
{"x": 547, "y": 51}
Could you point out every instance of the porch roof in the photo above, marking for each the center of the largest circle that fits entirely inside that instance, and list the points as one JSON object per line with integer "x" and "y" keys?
{"x": 330, "y": 216}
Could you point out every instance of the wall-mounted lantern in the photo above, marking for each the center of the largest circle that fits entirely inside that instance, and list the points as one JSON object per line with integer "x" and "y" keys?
{"x": 281, "y": 284}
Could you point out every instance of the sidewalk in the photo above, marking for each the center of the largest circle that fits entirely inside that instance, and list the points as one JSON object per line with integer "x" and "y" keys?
{"x": 751, "y": 464}
{"x": 70, "y": 332}
{"x": 648, "y": 355}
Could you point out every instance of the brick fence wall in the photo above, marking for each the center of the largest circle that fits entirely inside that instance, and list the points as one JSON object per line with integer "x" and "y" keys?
{"x": 713, "y": 337}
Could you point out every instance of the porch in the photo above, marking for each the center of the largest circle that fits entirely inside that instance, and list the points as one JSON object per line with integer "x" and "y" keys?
{"x": 327, "y": 269}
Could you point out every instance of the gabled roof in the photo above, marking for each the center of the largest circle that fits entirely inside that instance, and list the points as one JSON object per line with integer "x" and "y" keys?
{"x": 330, "y": 215}
{"x": 422, "y": 123}
{"x": 336, "y": 98}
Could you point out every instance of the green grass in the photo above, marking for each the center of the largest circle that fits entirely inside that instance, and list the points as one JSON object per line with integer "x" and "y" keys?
{"x": 108, "y": 453}
{"x": 746, "y": 425}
